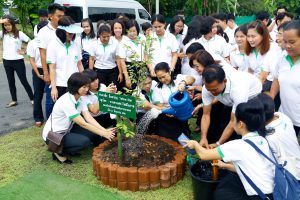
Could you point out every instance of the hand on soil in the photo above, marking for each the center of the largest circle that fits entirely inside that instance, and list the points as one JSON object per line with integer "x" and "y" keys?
{"x": 110, "y": 133}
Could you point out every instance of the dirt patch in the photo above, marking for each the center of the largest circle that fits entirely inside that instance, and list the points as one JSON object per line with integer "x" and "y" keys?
{"x": 139, "y": 152}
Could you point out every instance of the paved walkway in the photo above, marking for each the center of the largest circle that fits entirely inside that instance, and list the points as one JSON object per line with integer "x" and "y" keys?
{"x": 20, "y": 116}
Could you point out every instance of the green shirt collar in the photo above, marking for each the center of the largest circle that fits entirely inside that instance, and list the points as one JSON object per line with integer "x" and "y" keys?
{"x": 290, "y": 61}
{"x": 73, "y": 100}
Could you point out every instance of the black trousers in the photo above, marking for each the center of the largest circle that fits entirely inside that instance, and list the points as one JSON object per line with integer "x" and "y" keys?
{"x": 170, "y": 127}
{"x": 80, "y": 139}
{"x": 231, "y": 188}
{"x": 297, "y": 130}
{"x": 18, "y": 66}
{"x": 38, "y": 89}
{"x": 219, "y": 119}
{"x": 108, "y": 76}
{"x": 266, "y": 88}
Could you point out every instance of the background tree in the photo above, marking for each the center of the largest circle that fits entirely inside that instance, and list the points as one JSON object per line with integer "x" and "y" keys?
{"x": 25, "y": 8}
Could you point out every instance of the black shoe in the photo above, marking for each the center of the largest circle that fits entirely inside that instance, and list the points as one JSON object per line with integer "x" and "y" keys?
{"x": 75, "y": 154}
{"x": 67, "y": 161}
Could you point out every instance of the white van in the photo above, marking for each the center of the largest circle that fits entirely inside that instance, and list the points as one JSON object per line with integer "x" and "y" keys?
{"x": 104, "y": 10}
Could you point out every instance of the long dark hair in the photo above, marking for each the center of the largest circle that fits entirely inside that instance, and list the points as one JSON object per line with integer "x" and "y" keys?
{"x": 14, "y": 30}
{"x": 252, "y": 114}
{"x": 262, "y": 30}
{"x": 193, "y": 31}
{"x": 92, "y": 33}
{"x": 175, "y": 19}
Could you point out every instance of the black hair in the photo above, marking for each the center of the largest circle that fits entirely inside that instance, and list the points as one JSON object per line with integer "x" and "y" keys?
{"x": 41, "y": 25}
{"x": 282, "y": 15}
{"x": 43, "y": 13}
{"x": 91, "y": 74}
{"x": 92, "y": 33}
{"x": 204, "y": 58}
{"x": 262, "y": 15}
{"x": 76, "y": 81}
{"x": 158, "y": 17}
{"x": 282, "y": 26}
{"x": 281, "y": 7}
{"x": 207, "y": 24}
{"x": 12, "y": 21}
{"x": 193, "y": 48}
{"x": 293, "y": 25}
{"x": 163, "y": 66}
{"x": 230, "y": 16}
{"x": 221, "y": 16}
{"x": 252, "y": 114}
{"x": 269, "y": 106}
{"x": 55, "y": 6}
{"x": 175, "y": 19}
{"x": 213, "y": 73}
{"x": 180, "y": 12}
{"x": 104, "y": 29}
{"x": 146, "y": 26}
{"x": 133, "y": 23}
{"x": 243, "y": 28}
{"x": 198, "y": 18}
{"x": 113, "y": 25}
{"x": 193, "y": 32}
{"x": 221, "y": 33}
{"x": 60, "y": 33}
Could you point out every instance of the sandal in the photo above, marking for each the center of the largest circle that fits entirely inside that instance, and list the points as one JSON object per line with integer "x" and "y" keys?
{"x": 11, "y": 104}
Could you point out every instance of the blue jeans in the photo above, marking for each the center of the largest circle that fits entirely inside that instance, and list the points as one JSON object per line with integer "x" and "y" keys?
{"x": 38, "y": 87}
{"x": 49, "y": 101}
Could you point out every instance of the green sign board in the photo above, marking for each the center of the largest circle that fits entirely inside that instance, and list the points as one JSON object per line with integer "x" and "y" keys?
{"x": 117, "y": 104}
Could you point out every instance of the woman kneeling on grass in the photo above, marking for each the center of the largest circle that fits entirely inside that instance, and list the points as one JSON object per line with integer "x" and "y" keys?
{"x": 249, "y": 120}
{"x": 69, "y": 109}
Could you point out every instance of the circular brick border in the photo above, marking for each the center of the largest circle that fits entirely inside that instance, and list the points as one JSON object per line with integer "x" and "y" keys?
{"x": 144, "y": 178}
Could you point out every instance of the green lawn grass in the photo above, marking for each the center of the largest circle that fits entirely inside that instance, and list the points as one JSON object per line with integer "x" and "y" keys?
{"x": 24, "y": 152}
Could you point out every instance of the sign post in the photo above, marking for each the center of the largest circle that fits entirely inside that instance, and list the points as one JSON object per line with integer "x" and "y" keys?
{"x": 117, "y": 104}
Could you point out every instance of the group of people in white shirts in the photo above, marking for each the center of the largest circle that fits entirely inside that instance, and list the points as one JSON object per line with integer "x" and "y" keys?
{"x": 72, "y": 63}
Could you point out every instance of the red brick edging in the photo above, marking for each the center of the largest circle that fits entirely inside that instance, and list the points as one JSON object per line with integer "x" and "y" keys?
{"x": 144, "y": 178}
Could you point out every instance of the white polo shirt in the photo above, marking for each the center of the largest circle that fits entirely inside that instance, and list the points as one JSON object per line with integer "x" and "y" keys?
{"x": 289, "y": 82}
{"x": 230, "y": 34}
{"x": 240, "y": 87}
{"x": 65, "y": 59}
{"x": 65, "y": 109}
{"x": 161, "y": 95}
{"x": 34, "y": 52}
{"x": 129, "y": 48}
{"x": 84, "y": 43}
{"x": 267, "y": 62}
{"x": 238, "y": 60}
{"x": 163, "y": 47}
{"x": 45, "y": 35}
{"x": 92, "y": 99}
{"x": 105, "y": 55}
{"x": 11, "y": 45}
{"x": 284, "y": 143}
{"x": 257, "y": 168}
{"x": 216, "y": 45}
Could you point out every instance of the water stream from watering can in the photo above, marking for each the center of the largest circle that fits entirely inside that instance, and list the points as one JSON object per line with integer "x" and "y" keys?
{"x": 146, "y": 120}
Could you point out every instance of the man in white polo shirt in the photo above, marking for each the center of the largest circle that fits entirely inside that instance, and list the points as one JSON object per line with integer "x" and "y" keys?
{"x": 45, "y": 35}
{"x": 230, "y": 89}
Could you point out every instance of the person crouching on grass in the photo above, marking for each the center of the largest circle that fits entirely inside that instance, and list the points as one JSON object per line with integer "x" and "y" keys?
{"x": 249, "y": 120}
{"x": 69, "y": 109}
